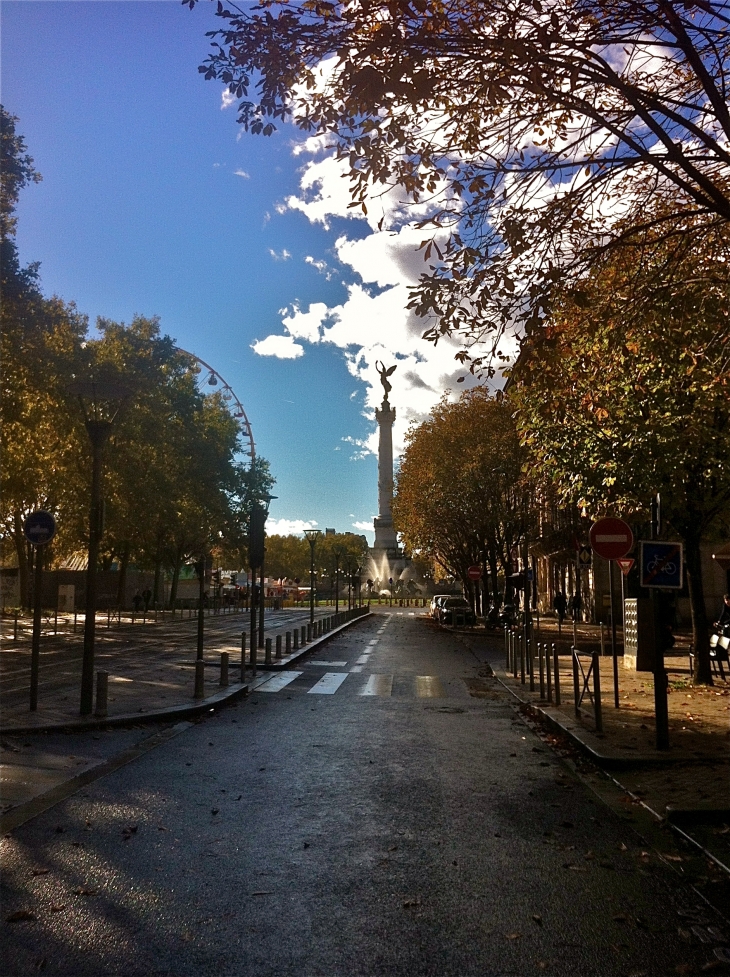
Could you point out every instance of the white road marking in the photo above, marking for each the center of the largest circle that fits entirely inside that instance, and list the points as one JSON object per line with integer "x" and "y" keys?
{"x": 373, "y": 642}
{"x": 329, "y": 664}
{"x": 363, "y": 659}
{"x": 356, "y": 668}
{"x": 278, "y": 682}
{"x": 329, "y": 683}
{"x": 378, "y": 685}
{"x": 429, "y": 687}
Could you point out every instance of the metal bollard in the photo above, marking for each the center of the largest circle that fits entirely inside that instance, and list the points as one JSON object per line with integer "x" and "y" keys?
{"x": 556, "y": 674}
{"x": 102, "y": 689}
{"x": 75, "y": 613}
{"x": 530, "y": 659}
{"x": 548, "y": 678}
{"x": 521, "y": 638}
{"x": 309, "y": 634}
{"x": 514, "y": 652}
{"x": 278, "y": 647}
{"x": 55, "y": 621}
{"x": 296, "y": 639}
{"x": 576, "y": 685}
{"x": 287, "y": 643}
{"x": 267, "y": 651}
{"x": 304, "y": 637}
{"x": 199, "y": 679}
{"x": 542, "y": 669}
{"x": 243, "y": 655}
{"x": 506, "y": 648}
{"x": 15, "y": 626}
{"x": 603, "y": 649}
{"x": 253, "y": 657}
{"x": 597, "y": 692}
{"x": 108, "y": 617}
{"x": 224, "y": 668}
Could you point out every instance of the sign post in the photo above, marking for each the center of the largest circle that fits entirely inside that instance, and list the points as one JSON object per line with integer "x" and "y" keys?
{"x": 39, "y": 528}
{"x": 612, "y": 539}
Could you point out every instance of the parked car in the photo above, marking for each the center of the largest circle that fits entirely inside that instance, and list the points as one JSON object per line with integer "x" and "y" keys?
{"x": 435, "y": 603}
{"x": 456, "y": 608}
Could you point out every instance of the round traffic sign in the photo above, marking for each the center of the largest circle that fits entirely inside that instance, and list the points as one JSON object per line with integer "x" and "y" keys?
{"x": 474, "y": 573}
{"x": 611, "y": 538}
{"x": 39, "y": 527}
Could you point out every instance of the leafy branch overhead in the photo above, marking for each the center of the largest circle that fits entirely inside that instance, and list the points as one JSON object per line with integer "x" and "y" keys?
{"x": 527, "y": 132}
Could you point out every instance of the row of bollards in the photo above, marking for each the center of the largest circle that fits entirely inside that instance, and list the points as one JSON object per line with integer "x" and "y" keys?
{"x": 544, "y": 662}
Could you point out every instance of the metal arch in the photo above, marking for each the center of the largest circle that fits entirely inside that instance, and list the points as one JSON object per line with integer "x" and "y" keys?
{"x": 213, "y": 379}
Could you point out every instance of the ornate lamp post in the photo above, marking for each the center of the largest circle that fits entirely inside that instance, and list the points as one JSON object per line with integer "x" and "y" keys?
{"x": 100, "y": 402}
{"x": 338, "y": 553}
{"x": 312, "y": 536}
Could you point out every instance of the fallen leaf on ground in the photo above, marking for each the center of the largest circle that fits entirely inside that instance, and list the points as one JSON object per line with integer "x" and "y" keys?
{"x": 79, "y": 891}
{"x": 513, "y": 936}
{"x": 411, "y": 903}
{"x": 40, "y": 871}
{"x": 538, "y": 919}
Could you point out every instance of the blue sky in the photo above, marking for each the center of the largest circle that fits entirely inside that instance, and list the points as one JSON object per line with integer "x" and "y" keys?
{"x": 154, "y": 203}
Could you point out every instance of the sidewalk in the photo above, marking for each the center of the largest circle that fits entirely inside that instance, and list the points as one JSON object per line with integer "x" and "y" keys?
{"x": 687, "y": 784}
{"x": 157, "y": 681}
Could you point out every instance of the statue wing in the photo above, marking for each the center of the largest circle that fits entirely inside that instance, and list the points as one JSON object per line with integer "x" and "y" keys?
{"x": 391, "y": 370}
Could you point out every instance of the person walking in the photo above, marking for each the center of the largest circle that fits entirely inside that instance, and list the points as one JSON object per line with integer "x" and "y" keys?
{"x": 576, "y": 604}
{"x": 560, "y": 604}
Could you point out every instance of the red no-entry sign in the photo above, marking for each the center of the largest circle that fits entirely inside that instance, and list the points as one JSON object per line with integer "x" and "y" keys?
{"x": 474, "y": 573}
{"x": 611, "y": 538}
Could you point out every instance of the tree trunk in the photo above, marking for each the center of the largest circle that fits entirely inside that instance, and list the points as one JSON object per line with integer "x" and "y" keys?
{"x": 494, "y": 574}
{"x": 122, "y": 582}
{"x": 21, "y": 550}
{"x": 700, "y": 623}
{"x": 175, "y": 576}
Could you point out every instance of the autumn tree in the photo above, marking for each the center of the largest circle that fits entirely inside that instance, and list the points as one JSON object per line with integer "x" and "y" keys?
{"x": 287, "y": 557}
{"x": 40, "y": 347}
{"x": 627, "y": 393}
{"x": 522, "y": 131}
{"x": 462, "y": 495}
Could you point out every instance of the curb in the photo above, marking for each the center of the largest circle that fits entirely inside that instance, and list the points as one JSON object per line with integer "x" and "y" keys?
{"x": 185, "y": 710}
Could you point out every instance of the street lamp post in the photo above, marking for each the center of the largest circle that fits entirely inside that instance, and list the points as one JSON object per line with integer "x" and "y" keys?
{"x": 312, "y": 536}
{"x": 100, "y": 402}
{"x": 337, "y": 552}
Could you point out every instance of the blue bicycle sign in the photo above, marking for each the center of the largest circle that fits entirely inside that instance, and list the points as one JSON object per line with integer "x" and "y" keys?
{"x": 661, "y": 564}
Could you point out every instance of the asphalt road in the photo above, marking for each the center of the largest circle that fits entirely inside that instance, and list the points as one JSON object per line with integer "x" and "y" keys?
{"x": 384, "y": 812}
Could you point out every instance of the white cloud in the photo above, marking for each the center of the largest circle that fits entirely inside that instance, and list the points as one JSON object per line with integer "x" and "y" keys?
{"x": 289, "y": 527}
{"x": 283, "y": 255}
{"x": 282, "y": 347}
{"x": 227, "y": 99}
{"x": 243, "y": 173}
{"x": 365, "y": 527}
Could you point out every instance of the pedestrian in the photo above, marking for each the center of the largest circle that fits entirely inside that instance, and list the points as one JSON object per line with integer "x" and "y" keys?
{"x": 146, "y": 597}
{"x": 137, "y": 602}
{"x": 560, "y": 604}
{"x": 575, "y": 605}
{"x": 723, "y": 620}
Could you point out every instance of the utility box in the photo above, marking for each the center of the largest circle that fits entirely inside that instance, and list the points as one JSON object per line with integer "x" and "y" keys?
{"x": 66, "y": 597}
{"x": 639, "y": 634}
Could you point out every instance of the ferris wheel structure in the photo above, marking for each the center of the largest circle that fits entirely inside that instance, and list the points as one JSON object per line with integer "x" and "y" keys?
{"x": 210, "y": 377}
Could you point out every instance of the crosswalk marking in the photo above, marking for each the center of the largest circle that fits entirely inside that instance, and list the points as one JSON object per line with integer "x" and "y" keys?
{"x": 357, "y": 668}
{"x": 329, "y": 683}
{"x": 429, "y": 687}
{"x": 363, "y": 659}
{"x": 278, "y": 682}
{"x": 329, "y": 664}
{"x": 378, "y": 685}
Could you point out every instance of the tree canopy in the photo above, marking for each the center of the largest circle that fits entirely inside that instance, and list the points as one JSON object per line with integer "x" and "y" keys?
{"x": 522, "y": 131}
{"x": 462, "y": 494}
{"x": 627, "y": 393}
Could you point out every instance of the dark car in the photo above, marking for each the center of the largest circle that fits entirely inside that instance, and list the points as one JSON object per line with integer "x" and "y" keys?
{"x": 456, "y": 610}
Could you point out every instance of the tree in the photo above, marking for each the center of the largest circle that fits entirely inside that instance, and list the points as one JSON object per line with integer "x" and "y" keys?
{"x": 627, "y": 392}
{"x": 462, "y": 495}
{"x": 521, "y": 130}
{"x": 40, "y": 346}
{"x": 287, "y": 556}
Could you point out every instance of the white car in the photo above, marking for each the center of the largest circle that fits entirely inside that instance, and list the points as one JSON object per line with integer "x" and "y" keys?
{"x": 435, "y": 602}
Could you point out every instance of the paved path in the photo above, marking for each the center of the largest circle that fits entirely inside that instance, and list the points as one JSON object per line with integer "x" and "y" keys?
{"x": 398, "y": 820}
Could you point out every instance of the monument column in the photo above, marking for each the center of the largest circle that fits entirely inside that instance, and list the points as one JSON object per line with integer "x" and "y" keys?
{"x": 385, "y": 536}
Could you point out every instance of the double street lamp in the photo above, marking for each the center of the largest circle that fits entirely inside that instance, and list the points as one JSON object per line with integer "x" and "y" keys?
{"x": 338, "y": 552}
{"x": 312, "y": 536}
{"x": 100, "y": 402}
